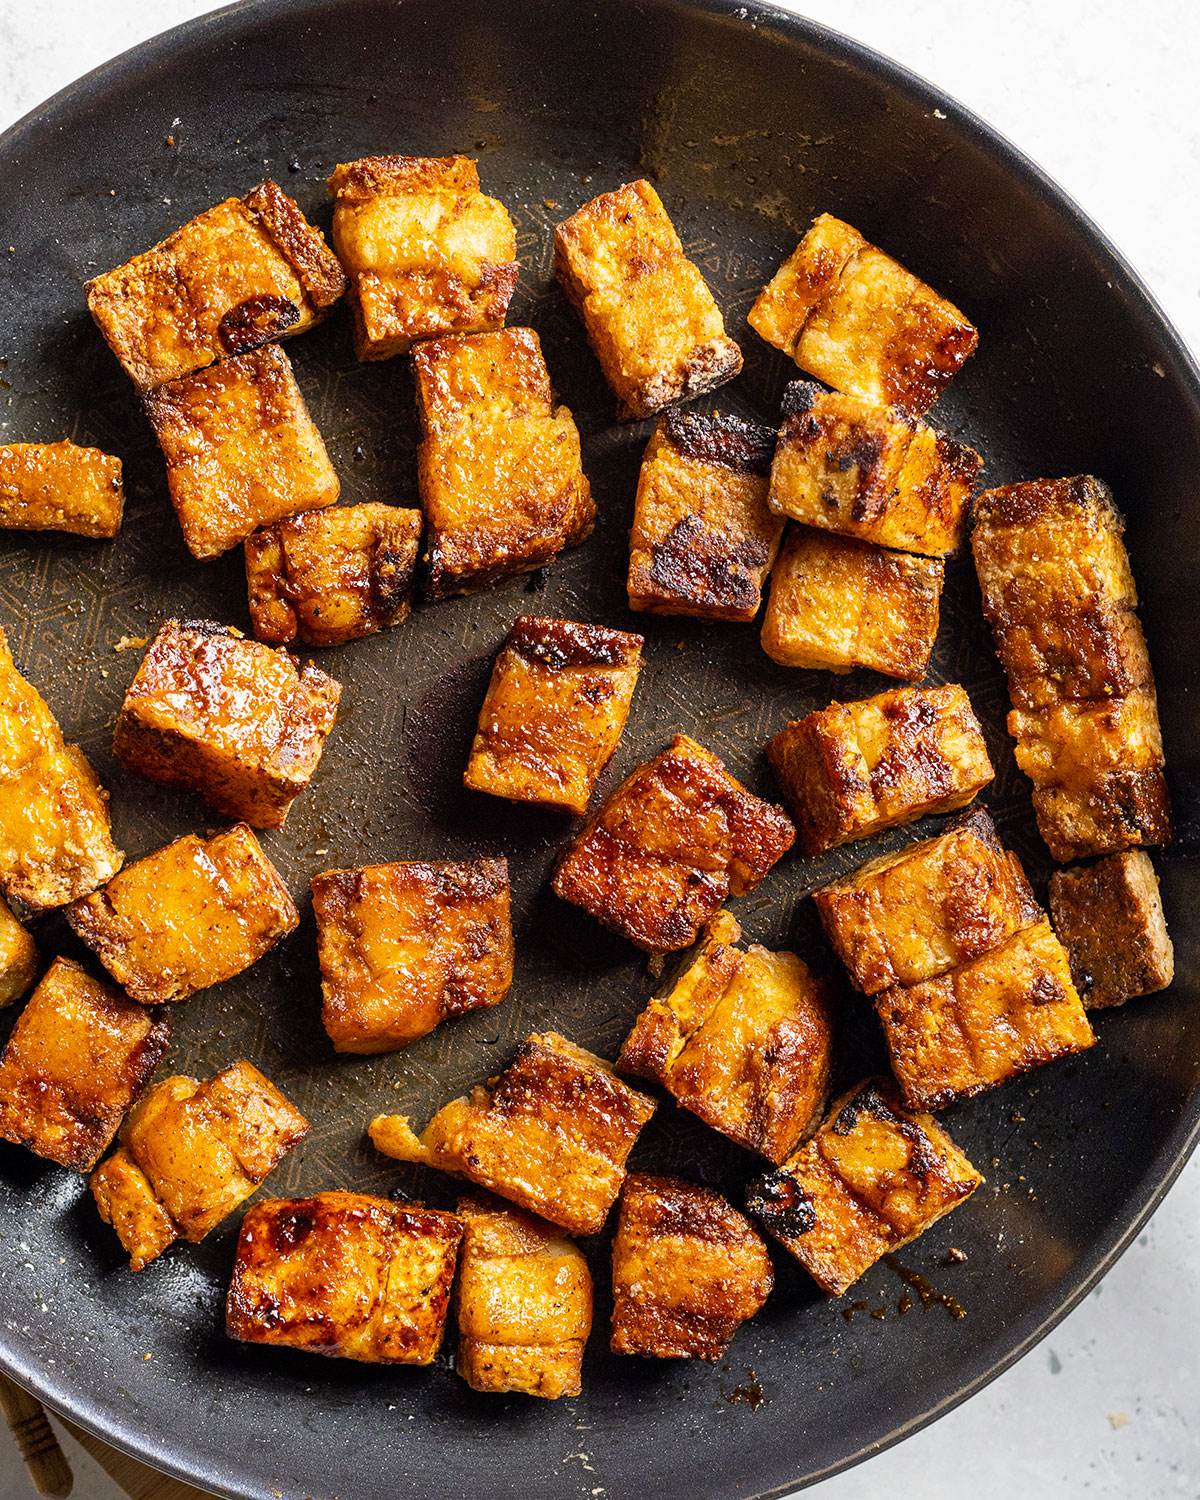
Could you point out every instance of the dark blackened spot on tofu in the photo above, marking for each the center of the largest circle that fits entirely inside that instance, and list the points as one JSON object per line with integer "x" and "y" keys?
{"x": 720, "y": 439}
{"x": 694, "y": 563}
{"x": 256, "y": 321}
{"x": 1045, "y": 990}
{"x": 392, "y": 579}
{"x": 799, "y": 398}
{"x": 781, "y": 1205}
{"x": 564, "y": 643}
{"x": 291, "y": 1228}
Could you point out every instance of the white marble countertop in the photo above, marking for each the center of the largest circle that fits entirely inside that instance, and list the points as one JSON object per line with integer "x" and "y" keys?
{"x": 1103, "y": 95}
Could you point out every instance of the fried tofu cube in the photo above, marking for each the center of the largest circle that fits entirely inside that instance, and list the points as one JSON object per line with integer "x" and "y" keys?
{"x": 229, "y": 718}
{"x": 649, "y": 316}
{"x": 552, "y": 1133}
{"x": 853, "y": 317}
{"x": 871, "y": 1180}
{"x": 18, "y": 957}
{"x": 660, "y": 856}
{"x": 248, "y": 271}
{"x": 78, "y": 1057}
{"x": 524, "y": 1302}
{"x": 333, "y": 575}
{"x": 427, "y": 253}
{"x": 403, "y": 946}
{"x": 839, "y": 603}
{"x": 741, "y": 1037}
{"x": 1109, "y": 918}
{"x": 188, "y": 916}
{"x": 687, "y": 1269}
{"x": 854, "y": 769}
{"x": 554, "y": 711}
{"x": 60, "y": 487}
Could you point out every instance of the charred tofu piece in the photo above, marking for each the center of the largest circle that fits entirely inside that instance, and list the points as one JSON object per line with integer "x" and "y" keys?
{"x": 649, "y": 316}
{"x": 1109, "y": 917}
{"x": 55, "y": 836}
{"x": 426, "y": 252}
{"x": 742, "y": 1038}
{"x": 871, "y": 1180}
{"x": 333, "y": 575}
{"x": 659, "y": 857}
{"x": 552, "y": 1133}
{"x": 554, "y": 711}
{"x": 78, "y": 1057}
{"x": 499, "y": 464}
{"x": 18, "y": 957}
{"x": 241, "y": 449}
{"x": 403, "y": 946}
{"x": 229, "y": 718}
{"x": 524, "y": 1302}
{"x": 189, "y": 1154}
{"x": 839, "y": 603}
{"x": 59, "y": 487}
{"x": 856, "y": 319}
{"x": 703, "y": 537}
{"x": 854, "y": 769}
{"x": 188, "y": 916}
{"x": 246, "y": 272}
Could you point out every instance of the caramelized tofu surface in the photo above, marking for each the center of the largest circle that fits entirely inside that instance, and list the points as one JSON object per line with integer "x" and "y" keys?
{"x": 687, "y": 1268}
{"x": 499, "y": 462}
{"x": 552, "y": 1133}
{"x": 59, "y": 487}
{"x": 554, "y": 711}
{"x": 403, "y": 946}
{"x": 344, "y": 1274}
{"x": 659, "y": 857}
{"x": 18, "y": 957}
{"x": 649, "y": 316}
{"x": 427, "y": 253}
{"x": 77, "y": 1058}
{"x": 229, "y": 718}
{"x": 1109, "y": 917}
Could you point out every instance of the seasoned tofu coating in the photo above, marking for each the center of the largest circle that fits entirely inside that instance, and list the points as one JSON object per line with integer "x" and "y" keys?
{"x": 742, "y": 1038}
{"x": 78, "y": 1057}
{"x": 244, "y": 273}
{"x": 241, "y": 449}
{"x": 55, "y": 836}
{"x": 554, "y": 711}
{"x": 649, "y": 316}
{"x": 229, "y": 718}
{"x": 856, "y": 319}
{"x": 524, "y": 1302}
{"x": 659, "y": 857}
{"x": 871, "y": 1180}
{"x": 18, "y": 957}
{"x": 426, "y": 252}
{"x": 188, "y": 916}
{"x": 344, "y": 1274}
{"x": 910, "y": 916}
{"x": 839, "y": 603}
{"x": 552, "y": 1133}
{"x": 687, "y": 1269}
{"x": 703, "y": 537}
{"x": 403, "y": 946}
{"x": 334, "y": 575}
{"x": 60, "y": 487}
{"x": 499, "y": 463}
{"x": 854, "y": 769}
{"x": 1109, "y": 917}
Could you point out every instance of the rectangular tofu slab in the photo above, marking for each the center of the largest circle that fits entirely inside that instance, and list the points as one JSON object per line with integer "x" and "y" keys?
{"x": 1109, "y": 917}
{"x": 59, "y": 487}
{"x": 18, "y": 957}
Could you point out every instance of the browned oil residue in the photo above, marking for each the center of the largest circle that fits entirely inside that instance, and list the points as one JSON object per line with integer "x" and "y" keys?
{"x": 929, "y": 1295}
{"x": 750, "y": 1392}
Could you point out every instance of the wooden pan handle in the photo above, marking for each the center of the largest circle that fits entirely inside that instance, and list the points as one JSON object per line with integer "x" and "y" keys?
{"x": 47, "y": 1463}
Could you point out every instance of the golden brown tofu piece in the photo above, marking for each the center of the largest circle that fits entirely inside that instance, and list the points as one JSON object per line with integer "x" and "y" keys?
{"x": 18, "y": 957}
{"x": 1109, "y": 917}
{"x": 403, "y": 946}
{"x": 427, "y": 253}
{"x": 854, "y": 769}
{"x": 524, "y": 1302}
{"x": 55, "y": 836}
{"x": 499, "y": 462}
{"x": 248, "y": 271}
{"x": 649, "y": 316}
{"x": 856, "y": 319}
{"x": 703, "y": 537}
{"x": 333, "y": 575}
{"x": 742, "y": 1038}
{"x": 552, "y": 1133}
{"x": 188, "y": 916}
{"x": 554, "y": 711}
{"x": 839, "y": 603}
{"x": 59, "y": 487}
{"x": 659, "y": 857}
{"x": 78, "y": 1057}
{"x": 229, "y": 718}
